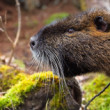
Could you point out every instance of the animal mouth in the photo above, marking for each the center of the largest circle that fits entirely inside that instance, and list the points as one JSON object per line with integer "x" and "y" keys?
{"x": 41, "y": 60}
{"x": 48, "y": 60}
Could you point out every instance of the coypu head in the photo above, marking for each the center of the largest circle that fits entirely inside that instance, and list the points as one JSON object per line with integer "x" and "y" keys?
{"x": 75, "y": 45}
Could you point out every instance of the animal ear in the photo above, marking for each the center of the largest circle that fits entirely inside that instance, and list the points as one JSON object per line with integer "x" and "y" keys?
{"x": 100, "y": 23}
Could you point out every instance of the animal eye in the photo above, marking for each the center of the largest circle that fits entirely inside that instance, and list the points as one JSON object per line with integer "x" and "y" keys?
{"x": 100, "y": 23}
{"x": 71, "y": 30}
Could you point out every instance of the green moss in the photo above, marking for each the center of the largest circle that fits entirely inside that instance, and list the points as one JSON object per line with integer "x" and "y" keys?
{"x": 56, "y": 16}
{"x": 4, "y": 68}
{"x": 58, "y": 102}
{"x": 15, "y": 95}
{"x": 9, "y": 77}
{"x": 92, "y": 88}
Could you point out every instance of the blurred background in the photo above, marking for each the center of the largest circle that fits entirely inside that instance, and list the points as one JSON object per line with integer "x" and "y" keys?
{"x": 35, "y": 15}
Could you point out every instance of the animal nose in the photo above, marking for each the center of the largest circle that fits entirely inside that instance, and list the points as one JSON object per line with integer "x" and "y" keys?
{"x": 33, "y": 43}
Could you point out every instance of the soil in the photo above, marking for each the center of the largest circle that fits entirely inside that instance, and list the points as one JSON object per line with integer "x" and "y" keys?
{"x": 29, "y": 28}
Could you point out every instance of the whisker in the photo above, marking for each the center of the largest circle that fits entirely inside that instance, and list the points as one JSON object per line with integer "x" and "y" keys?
{"x": 32, "y": 63}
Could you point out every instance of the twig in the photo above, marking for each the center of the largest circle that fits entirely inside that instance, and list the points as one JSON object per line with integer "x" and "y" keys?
{"x": 18, "y": 31}
{"x": 19, "y": 23}
{"x": 5, "y": 31}
{"x": 96, "y": 96}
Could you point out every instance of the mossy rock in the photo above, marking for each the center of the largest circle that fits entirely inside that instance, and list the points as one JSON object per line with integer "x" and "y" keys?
{"x": 55, "y": 17}
{"x": 9, "y": 77}
{"x": 38, "y": 92}
{"x": 92, "y": 88}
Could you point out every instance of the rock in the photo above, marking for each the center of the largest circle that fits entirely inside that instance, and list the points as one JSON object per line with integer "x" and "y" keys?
{"x": 38, "y": 92}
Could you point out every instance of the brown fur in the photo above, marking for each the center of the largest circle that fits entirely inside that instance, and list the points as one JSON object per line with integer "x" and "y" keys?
{"x": 85, "y": 50}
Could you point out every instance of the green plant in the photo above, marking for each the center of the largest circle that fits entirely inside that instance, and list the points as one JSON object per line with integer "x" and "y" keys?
{"x": 93, "y": 87}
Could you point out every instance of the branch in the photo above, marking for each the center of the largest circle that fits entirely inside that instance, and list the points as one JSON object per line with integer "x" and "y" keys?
{"x": 18, "y": 31}
{"x": 5, "y": 31}
{"x": 19, "y": 23}
{"x": 96, "y": 96}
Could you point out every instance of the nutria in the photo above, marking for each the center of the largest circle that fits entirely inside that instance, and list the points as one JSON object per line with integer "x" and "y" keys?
{"x": 75, "y": 45}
